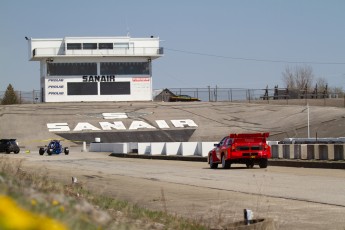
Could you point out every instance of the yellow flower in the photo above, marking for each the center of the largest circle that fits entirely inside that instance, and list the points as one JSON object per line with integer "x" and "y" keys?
{"x": 12, "y": 217}
{"x": 55, "y": 202}
{"x": 62, "y": 208}
{"x": 47, "y": 223}
{"x": 33, "y": 202}
{"x": 15, "y": 218}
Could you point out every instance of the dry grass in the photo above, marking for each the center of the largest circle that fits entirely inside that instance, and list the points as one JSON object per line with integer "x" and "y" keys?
{"x": 78, "y": 208}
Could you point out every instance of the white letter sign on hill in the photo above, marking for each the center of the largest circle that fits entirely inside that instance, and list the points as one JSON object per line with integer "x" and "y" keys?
{"x": 114, "y": 115}
{"x": 81, "y": 126}
{"x": 140, "y": 125}
{"x": 118, "y": 125}
{"x": 184, "y": 123}
{"x": 162, "y": 124}
{"x": 58, "y": 127}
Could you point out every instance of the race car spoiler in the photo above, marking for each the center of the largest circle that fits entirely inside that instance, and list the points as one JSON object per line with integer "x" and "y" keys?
{"x": 249, "y": 135}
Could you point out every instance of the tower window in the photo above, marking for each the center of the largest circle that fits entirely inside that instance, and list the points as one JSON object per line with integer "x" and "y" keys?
{"x": 89, "y": 46}
{"x": 103, "y": 46}
{"x": 74, "y": 46}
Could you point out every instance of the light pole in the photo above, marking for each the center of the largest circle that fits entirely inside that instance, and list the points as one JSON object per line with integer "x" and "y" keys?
{"x": 308, "y": 121}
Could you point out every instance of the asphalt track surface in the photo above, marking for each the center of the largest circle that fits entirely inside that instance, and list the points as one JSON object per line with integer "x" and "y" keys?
{"x": 295, "y": 198}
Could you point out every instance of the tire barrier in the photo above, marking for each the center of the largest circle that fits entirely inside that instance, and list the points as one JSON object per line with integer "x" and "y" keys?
{"x": 331, "y": 152}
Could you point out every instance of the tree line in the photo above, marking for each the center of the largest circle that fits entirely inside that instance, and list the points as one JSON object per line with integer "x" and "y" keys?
{"x": 301, "y": 78}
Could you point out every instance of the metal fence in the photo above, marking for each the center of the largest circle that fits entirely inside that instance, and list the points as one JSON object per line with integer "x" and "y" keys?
{"x": 26, "y": 97}
{"x": 241, "y": 94}
{"x": 216, "y": 94}
{"x": 220, "y": 94}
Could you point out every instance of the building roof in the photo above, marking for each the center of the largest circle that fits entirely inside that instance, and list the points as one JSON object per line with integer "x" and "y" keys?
{"x": 42, "y": 48}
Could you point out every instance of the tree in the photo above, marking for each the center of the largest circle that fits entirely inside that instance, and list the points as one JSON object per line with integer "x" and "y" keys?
{"x": 337, "y": 90}
{"x": 322, "y": 85}
{"x": 10, "y": 96}
{"x": 298, "y": 78}
{"x": 288, "y": 78}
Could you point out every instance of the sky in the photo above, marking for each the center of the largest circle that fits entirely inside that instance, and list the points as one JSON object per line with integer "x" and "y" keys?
{"x": 224, "y": 43}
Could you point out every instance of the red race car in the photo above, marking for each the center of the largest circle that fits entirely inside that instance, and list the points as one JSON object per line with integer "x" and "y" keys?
{"x": 244, "y": 148}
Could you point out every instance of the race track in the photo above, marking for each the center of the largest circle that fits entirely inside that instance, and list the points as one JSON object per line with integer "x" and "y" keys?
{"x": 296, "y": 198}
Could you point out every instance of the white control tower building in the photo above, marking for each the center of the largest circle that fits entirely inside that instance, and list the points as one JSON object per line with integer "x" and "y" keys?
{"x": 74, "y": 69}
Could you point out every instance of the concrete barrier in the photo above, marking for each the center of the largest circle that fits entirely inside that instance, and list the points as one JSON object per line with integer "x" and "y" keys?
{"x": 279, "y": 151}
{"x": 323, "y": 151}
{"x": 109, "y": 147}
{"x": 144, "y": 148}
{"x": 280, "y": 154}
{"x": 297, "y": 151}
{"x": 339, "y": 152}
{"x": 133, "y": 147}
{"x": 106, "y": 147}
{"x": 310, "y": 152}
{"x": 206, "y": 147}
{"x": 288, "y": 152}
{"x": 274, "y": 151}
{"x": 95, "y": 147}
{"x": 173, "y": 148}
{"x": 119, "y": 148}
{"x": 158, "y": 148}
{"x": 304, "y": 152}
{"x": 330, "y": 150}
{"x": 189, "y": 148}
{"x": 316, "y": 152}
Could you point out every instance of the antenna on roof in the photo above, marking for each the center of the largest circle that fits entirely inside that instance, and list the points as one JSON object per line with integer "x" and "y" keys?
{"x": 127, "y": 28}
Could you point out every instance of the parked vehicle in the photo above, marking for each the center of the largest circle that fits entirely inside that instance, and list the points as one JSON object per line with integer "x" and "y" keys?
{"x": 245, "y": 148}
{"x": 183, "y": 98}
{"x": 54, "y": 147}
{"x": 9, "y": 145}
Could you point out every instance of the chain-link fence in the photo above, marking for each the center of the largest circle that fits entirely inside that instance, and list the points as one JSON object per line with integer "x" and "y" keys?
{"x": 272, "y": 96}
{"x": 26, "y": 97}
{"x": 220, "y": 94}
{"x": 214, "y": 94}
{"x": 241, "y": 94}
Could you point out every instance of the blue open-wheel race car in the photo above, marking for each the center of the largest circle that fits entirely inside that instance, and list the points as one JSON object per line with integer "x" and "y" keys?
{"x": 54, "y": 147}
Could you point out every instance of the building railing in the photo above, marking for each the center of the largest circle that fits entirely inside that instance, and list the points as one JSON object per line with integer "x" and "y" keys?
{"x": 60, "y": 51}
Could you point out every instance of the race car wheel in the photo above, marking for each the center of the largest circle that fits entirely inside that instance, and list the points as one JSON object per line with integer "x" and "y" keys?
{"x": 66, "y": 150}
{"x": 50, "y": 152}
{"x": 212, "y": 164}
{"x": 250, "y": 165}
{"x": 263, "y": 163}
{"x": 41, "y": 151}
{"x": 225, "y": 164}
{"x": 8, "y": 151}
{"x": 16, "y": 152}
